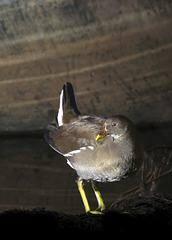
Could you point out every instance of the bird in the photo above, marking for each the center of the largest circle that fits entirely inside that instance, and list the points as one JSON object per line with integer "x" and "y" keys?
{"x": 99, "y": 149}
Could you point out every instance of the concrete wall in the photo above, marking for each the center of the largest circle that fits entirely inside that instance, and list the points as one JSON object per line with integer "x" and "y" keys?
{"x": 117, "y": 54}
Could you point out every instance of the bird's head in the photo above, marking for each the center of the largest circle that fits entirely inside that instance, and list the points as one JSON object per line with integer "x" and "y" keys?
{"x": 116, "y": 127}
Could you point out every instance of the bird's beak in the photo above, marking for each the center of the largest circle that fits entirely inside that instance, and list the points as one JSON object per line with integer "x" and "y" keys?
{"x": 99, "y": 136}
{"x": 103, "y": 133}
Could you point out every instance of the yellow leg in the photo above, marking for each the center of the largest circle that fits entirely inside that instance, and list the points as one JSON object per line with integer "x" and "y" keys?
{"x": 83, "y": 195}
{"x": 101, "y": 204}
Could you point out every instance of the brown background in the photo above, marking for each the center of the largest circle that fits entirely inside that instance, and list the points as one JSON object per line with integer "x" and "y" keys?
{"x": 117, "y": 55}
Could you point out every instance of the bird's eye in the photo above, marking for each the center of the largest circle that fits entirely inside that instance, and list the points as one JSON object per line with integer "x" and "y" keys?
{"x": 113, "y": 124}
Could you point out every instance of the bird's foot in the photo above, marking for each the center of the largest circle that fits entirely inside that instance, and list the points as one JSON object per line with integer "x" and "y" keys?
{"x": 95, "y": 212}
{"x": 98, "y": 210}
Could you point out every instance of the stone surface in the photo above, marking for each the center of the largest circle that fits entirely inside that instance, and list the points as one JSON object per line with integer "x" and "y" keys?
{"x": 117, "y": 55}
{"x": 146, "y": 216}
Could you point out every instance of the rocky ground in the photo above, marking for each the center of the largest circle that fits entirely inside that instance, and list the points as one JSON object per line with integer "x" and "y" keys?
{"x": 137, "y": 216}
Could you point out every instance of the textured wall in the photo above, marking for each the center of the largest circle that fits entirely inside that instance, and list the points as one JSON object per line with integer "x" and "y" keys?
{"x": 117, "y": 54}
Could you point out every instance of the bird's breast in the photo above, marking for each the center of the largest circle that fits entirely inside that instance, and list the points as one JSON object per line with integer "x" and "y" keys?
{"x": 100, "y": 163}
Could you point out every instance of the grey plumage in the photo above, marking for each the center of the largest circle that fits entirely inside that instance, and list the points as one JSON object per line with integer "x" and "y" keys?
{"x": 110, "y": 158}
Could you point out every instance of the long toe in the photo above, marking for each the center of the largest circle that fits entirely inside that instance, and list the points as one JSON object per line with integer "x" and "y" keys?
{"x": 95, "y": 212}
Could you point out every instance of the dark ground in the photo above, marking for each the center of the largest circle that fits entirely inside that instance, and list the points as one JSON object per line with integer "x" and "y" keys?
{"x": 132, "y": 217}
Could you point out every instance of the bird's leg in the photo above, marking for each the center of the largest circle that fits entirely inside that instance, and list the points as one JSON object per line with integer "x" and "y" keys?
{"x": 101, "y": 204}
{"x": 83, "y": 195}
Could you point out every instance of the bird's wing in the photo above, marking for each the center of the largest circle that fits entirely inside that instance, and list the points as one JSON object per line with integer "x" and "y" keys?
{"x": 74, "y": 136}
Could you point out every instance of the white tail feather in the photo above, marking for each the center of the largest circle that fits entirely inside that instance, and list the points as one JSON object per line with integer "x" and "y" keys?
{"x": 60, "y": 112}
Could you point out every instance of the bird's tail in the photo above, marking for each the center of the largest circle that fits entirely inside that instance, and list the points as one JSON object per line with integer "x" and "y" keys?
{"x": 68, "y": 107}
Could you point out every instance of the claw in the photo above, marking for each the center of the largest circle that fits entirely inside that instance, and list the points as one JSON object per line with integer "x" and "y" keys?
{"x": 95, "y": 212}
